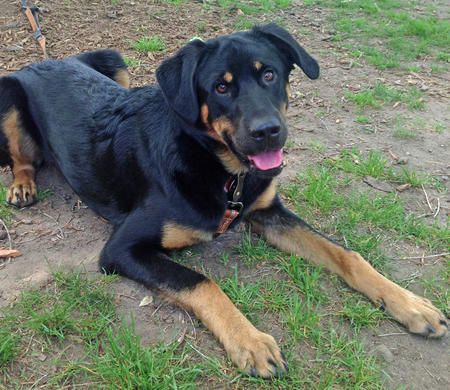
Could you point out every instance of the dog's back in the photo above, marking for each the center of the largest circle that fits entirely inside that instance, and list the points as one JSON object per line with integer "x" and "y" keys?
{"x": 32, "y": 96}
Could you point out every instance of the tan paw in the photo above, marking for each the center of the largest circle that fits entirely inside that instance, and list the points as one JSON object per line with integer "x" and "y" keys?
{"x": 257, "y": 354}
{"x": 417, "y": 314}
{"x": 22, "y": 194}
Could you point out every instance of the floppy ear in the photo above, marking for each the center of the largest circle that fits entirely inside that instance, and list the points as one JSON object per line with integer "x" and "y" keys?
{"x": 289, "y": 47}
{"x": 176, "y": 77}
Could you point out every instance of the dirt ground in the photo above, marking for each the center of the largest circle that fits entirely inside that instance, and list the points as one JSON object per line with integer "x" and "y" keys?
{"x": 59, "y": 232}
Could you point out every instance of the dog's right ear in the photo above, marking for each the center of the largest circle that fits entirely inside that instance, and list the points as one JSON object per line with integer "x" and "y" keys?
{"x": 176, "y": 77}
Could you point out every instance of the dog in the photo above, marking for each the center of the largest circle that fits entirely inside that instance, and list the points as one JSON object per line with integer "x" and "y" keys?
{"x": 177, "y": 163}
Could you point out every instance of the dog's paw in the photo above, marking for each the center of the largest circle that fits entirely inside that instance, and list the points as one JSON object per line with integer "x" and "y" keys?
{"x": 257, "y": 354}
{"x": 22, "y": 194}
{"x": 417, "y": 314}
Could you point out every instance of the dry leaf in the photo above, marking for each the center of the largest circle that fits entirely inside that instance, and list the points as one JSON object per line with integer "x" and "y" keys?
{"x": 146, "y": 301}
{"x": 403, "y": 187}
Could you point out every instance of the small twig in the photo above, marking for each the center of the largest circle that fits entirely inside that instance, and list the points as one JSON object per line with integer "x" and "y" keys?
{"x": 7, "y": 233}
{"x": 392, "y": 334}
{"x": 39, "y": 380}
{"x": 325, "y": 125}
{"x": 61, "y": 232}
{"x": 438, "y": 208}
{"x": 200, "y": 353}
{"x": 156, "y": 310}
{"x": 180, "y": 339}
{"x": 422, "y": 257}
{"x": 429, "y": 373}
{"x": 128, "y": 296}
{"x": 192, "y": 323}
{"x": 428, "y": 200}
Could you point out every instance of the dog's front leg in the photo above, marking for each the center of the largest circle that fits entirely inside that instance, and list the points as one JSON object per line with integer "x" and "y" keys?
{"x": 136, "y": 253}
{"x": 286, "y": 231}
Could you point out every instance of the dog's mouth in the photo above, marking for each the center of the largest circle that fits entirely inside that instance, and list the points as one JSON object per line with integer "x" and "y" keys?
{"x": 267, "y": 161}
{"x": 265, "y": 164}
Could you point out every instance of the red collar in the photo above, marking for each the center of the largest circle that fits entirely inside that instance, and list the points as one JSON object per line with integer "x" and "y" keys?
{"x": 233, "y": 188}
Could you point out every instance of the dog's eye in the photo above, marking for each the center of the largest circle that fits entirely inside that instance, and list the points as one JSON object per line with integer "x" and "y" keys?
{"x": 221, "y": 88}
{"x": 268, "y": 75}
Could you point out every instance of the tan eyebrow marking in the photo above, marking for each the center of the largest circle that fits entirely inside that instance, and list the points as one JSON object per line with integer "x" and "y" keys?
{"x": 228, "y": 77}
{"x": 258, "y": 65}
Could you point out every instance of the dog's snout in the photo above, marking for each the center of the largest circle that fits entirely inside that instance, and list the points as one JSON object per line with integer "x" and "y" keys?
{"x": 266, "y": 130}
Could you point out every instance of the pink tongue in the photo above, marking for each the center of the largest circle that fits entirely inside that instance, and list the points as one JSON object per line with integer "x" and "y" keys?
{"x": 267, "y": 160}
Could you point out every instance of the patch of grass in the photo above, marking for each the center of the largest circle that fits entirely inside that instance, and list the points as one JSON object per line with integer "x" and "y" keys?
{"x": 125, "y": 364}
{"x": 375, "y": 165}
{"x": 352, "y": 161}
{"x": 254, "y": 251}
{"x": 201, "y": 27}
{"x": 317, "y": 146}
{"x": 149, "y": 44}
{"x": 44, "y": 194}
{"x": 362, "y": 119}
{"x": 360, "y": 372}
{"x": 388, "y": 35}
{"x": 5, "y": 209}
{"x": 412, "y": 177}
{"x": 362, "y": 216}
{"x": 381, "y": 93}
{"x": 441, "y": 56}
{"x": 132, "y": 62}
{"x": 8, "y": 346}
{"x": 437, "y": 287}
{"x": 439, "y": 127}
{"x": 360, "y": 313}
{"x": 404, "y": 133}
{"x": 76, "y": 312}
{"x": 246, "y": 296}
{"x": 243, "y": 23}
{"x": 255, "y": 6}
{"x": 174, "y": 2}
{"x": 305, "y": 277}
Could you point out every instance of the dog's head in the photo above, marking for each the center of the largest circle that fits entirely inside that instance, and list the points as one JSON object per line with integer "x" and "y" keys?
{"x": 236, "y": 89}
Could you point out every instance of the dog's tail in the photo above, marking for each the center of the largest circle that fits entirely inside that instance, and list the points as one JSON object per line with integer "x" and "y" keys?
{"x": 108, "y": 62}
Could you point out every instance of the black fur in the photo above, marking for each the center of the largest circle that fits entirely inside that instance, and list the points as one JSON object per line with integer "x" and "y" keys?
{"x": 144, "y": 157}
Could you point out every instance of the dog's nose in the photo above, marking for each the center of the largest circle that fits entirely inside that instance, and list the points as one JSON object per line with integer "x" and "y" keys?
{"x": 266, "y": 130}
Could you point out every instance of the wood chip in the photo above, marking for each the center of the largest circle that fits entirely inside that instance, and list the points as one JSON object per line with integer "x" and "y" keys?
{"x": 9, "y": 253}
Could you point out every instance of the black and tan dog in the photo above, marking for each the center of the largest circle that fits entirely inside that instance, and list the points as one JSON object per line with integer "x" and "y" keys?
{"x": 174, "y": 164}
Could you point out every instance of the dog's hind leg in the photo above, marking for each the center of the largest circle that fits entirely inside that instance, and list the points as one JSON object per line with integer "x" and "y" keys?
{"x": 23, "y": 152}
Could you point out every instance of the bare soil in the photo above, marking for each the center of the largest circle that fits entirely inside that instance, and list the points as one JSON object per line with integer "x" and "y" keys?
{"x": 60, "y": 233}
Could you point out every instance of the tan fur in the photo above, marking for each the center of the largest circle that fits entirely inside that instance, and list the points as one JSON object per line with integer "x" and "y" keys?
{"x": 284, "y": 106}
{"x": 228, "y": 77}
{"x": 221, "y": 125}
{"x": 246, "y": 346}
{"x": 257, "y": 65}
{"x": 23, "y": 152}
{"x": 231, "y": 163}
{"x": 407, "y": 308}
{"x": 177, "y": 236}
{"x": 204, "y": 114}
{"x": 122, "y": 77}
{"x": 216, "y": 130}
{"x": 288, "y": 90}
{"x": 266, "y": 198}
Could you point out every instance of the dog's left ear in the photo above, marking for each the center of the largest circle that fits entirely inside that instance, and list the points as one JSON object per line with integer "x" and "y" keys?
{"x": 288, "y": 46}
{"x": 176, "y": 77}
